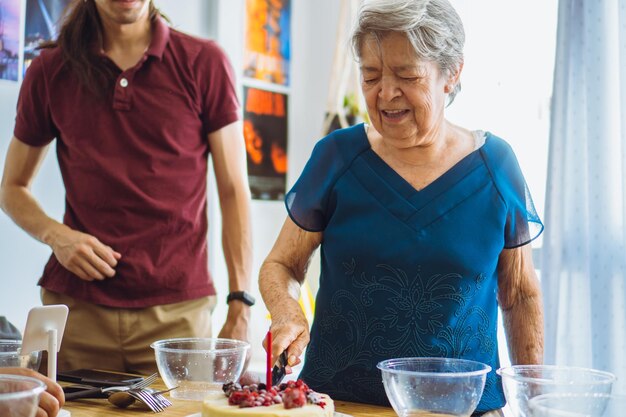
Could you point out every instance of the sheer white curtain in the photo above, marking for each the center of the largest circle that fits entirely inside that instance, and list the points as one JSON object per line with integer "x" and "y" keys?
{"x": 584, "y": 254}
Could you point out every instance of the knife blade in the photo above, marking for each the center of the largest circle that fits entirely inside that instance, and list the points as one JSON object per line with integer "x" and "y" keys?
{"x": 278, "y": 371}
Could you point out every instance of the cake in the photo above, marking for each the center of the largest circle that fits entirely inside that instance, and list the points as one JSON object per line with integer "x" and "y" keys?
{"x": 293, "y": 399}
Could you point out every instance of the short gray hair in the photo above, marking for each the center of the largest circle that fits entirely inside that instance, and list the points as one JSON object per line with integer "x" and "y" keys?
{"x": 433, "y": 27}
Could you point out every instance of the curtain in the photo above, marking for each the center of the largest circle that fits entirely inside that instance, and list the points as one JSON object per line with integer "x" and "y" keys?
{"x": 583, "y": 266}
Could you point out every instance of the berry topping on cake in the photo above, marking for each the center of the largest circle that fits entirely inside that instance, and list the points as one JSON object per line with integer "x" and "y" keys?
{"x": 293, "y": 394}
{"x": 294, "y": 398}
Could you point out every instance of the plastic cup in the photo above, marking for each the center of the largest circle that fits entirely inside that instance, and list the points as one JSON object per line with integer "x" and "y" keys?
{"x": 19, "y": 395}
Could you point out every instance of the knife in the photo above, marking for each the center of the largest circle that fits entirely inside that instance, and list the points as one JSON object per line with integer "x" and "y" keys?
{"x": 278, "y": 371}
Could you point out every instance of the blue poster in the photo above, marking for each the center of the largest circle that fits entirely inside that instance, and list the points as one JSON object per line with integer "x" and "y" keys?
{"x": 9, "y": 39}
{"x": 42, "y": 24}
{"x": 267, "y": 41}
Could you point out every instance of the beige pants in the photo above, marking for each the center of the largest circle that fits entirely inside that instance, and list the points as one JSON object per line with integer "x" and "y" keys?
{"x": 119, "y": 339}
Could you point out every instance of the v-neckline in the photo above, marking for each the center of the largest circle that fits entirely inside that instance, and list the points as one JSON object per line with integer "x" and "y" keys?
{"x": 404, "y": 187}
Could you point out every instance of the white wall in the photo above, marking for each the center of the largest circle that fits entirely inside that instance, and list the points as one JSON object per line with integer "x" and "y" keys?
{"x": 312, "y": 51}
{"x": 22, "y": 258}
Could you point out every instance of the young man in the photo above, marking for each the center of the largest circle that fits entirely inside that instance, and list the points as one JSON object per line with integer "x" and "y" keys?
{"x": 136, "y": 108}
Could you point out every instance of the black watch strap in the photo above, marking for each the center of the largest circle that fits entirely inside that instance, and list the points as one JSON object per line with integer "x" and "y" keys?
{"x": 243, "y": 296}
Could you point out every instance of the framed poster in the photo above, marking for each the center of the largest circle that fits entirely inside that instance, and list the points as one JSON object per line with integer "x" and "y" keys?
{"x": 265, "y": 133}
{"x": 9, "y": 39}
{"x": 267, "y": 41}
{"x": 42, "y": 24}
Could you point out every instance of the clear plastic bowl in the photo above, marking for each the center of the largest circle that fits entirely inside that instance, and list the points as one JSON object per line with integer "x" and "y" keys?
{"x": 578, "y": 405}
{"x": 10, "y": 356}
{"x": 523, "y": 382}
{"x": 199, "y": 366}
{"x": 445, "y": 387}
{"x": 19, "y": 395}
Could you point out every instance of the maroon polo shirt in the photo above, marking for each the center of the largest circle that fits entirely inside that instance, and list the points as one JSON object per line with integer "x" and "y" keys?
{"x": 134, "y": 166}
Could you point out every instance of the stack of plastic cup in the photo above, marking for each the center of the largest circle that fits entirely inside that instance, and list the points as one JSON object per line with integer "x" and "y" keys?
{"x": 11, "y": 356}
{"x": 19, "y": 395}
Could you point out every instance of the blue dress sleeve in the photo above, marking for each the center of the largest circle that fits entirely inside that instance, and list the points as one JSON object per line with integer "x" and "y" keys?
{"x": 310, "y": 201}
{"x": 522, "y": 221}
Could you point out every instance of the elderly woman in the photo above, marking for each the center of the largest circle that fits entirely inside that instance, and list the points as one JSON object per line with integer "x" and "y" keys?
{"x": 424, "y": 226}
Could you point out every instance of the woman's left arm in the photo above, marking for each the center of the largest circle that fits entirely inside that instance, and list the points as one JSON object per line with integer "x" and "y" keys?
{"x": 519, "y": 295}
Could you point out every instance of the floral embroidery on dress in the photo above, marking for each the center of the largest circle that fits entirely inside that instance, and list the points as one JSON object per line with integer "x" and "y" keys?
{"x": 465, "y": 337}
{"x": 392, "y": 313}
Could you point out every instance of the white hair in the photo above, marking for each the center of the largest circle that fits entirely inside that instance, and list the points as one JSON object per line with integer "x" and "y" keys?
{"x": 433, "y": 27}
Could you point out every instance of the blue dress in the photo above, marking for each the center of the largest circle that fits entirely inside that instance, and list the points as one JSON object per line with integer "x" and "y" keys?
{"x": 405, "y": 272}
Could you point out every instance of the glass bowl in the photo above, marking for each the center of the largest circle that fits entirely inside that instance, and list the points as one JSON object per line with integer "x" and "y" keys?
{"x": 577, "y": 405}
{"x": 443, "y": 387}
{"x": 523, "y": 382}
{"x": 199, "y": 366}
{"x": 19, "y": 395}
{"x": 10, "y": 356}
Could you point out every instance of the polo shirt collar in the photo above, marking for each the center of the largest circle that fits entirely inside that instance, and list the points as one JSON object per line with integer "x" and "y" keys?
{"x": 160, "y": 37}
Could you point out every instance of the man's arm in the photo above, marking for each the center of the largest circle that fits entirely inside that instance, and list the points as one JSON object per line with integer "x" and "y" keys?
{"x": 82, "y": 254}
{"x": 229, "y": 163}
{"x": 519, "y": 295}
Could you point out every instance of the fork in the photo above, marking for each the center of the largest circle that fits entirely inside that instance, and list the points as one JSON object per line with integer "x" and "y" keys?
{"x": 158, "y": 395}
{"x": 89, "y": 393}
{"x": 150, "y": 400}
{"x": 144, "y": 383}
{"x": 147, "y": 400}
{"x": 154, "y": 400}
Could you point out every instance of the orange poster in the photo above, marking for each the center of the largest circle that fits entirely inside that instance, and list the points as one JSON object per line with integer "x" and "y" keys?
{"x": 267, "y": 40}
{"x": 265, "y": 132}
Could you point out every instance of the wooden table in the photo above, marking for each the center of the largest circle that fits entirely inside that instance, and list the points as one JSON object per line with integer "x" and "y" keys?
{"x": 183, "y": 408}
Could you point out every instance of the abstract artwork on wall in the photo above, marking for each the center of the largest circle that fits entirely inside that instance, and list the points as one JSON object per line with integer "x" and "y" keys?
{"x": 265, "y": 133}
{"x": 42, "y": 24}
{"x": 267, "y": 41}
{"x": 9, "y": 39}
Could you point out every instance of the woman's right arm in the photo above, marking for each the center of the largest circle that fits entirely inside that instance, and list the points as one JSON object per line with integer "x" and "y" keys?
{"x": 281, "y": 275}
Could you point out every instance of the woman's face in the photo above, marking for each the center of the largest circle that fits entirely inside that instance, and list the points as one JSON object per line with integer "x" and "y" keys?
{"x": 405, "y": 95}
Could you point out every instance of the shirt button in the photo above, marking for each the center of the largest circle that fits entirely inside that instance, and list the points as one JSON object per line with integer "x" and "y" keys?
{"x": 124, "y": 82}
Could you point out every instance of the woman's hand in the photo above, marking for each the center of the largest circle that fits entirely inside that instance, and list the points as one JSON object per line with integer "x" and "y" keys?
{"x": 280, "y": 278}
{"x": 290, "y": 331}
{"x": 51, "y": 400}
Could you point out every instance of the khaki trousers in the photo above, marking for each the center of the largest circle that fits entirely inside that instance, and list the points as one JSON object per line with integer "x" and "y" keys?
{"x": 119, "y": 339}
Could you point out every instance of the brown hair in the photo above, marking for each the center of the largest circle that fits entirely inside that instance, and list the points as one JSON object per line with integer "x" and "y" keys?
{"x": 80, "y": 31}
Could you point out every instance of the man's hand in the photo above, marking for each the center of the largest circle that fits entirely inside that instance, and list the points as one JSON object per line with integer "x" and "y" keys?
{"x": 236, "y": 326}
{"x": 83, "y": 254}
{"x": 51, "y": 400}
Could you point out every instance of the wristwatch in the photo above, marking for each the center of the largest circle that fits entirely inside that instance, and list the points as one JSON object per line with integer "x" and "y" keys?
{"x": 243, "y": 296}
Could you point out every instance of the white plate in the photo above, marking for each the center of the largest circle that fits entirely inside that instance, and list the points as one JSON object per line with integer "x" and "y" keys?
{"x": 336, "y": 415}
